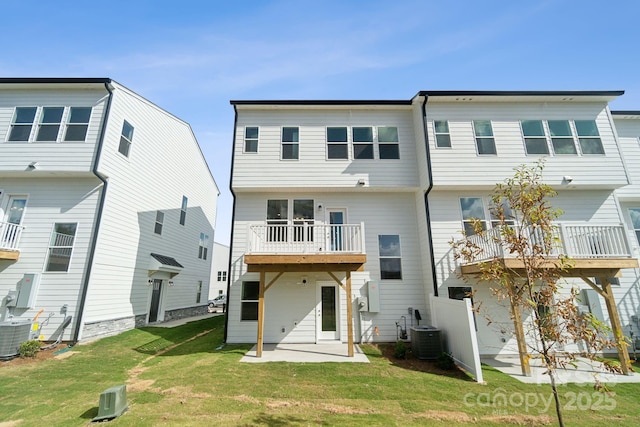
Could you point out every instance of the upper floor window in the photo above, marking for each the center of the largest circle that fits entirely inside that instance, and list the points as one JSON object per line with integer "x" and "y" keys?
{"x": 634, "y": 213}
{"x": 535, "y": 141}
{"x": 388, "y": 142}
{"x": 125, "y": 139}
{"x": 485, "y": 142}
{"x": 472, "y": 209}
{"x": 183, "y": 210}
{"x": 390, "y": 256}
{"x": 251, "y": 139}
{"x": 203, "y": 247}
{"x": 61, "y": 246}
{"x": 222, "y": 276}
{"x": 290, "y": 143}
{"x": 159, "y": 222}
{"x": 561, "y": 137}
{"x": 441, "y": 130}
{"x": 22, "y": 124}
{"x": 50, "y": 121}
{"x": 589, "y": 137}
{"x": 337, "y": 146}
{"x": 77, "y": 124}
{"x": 362, "y": 142}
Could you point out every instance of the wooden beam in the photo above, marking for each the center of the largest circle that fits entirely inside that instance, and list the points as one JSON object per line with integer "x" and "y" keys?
{"x": 349, "y": 317}
{"x": 303, "y": 268}
{"x": 273, "y": 281}
{"x": 260, "y": 315}
{"x": 333, "y": 276}
{"x": 593, "y": 267}
{"x": 9, "y": 255}
{"x": 306, "y": 259}
{"x": 595, "y": 287}
{"x": 616, "y": 326}
{"x": 520, "y": 338}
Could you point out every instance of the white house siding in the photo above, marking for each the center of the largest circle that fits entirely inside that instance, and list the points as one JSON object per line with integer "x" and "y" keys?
{"x": 220, "y": 263}
{"x": 290, "y": 305}
{"x": 68, "y": 157}
{"x": 164, "y": 164}
{"x": 461, "y": 166}
{"x": 50, "y": 200}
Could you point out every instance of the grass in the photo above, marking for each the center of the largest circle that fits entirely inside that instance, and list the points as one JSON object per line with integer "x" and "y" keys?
{"x": 177, "y": 377}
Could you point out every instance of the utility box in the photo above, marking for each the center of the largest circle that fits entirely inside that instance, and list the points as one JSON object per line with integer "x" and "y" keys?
{"x": 113, "y": 402}
{"x": 28, "y": 290}
{"x": 373, "y": 291}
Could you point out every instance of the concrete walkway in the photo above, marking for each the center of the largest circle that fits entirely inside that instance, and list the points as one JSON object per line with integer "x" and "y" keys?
{"x": 585, "y": 371}
{"x": 178, "y": 322}
{"x": 305, "y": 353}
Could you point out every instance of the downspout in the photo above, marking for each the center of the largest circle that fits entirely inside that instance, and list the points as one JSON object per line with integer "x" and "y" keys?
{"x": 96, "y": 226}
{"x": 426, "y": 195}
{"x": 233, "y": 225}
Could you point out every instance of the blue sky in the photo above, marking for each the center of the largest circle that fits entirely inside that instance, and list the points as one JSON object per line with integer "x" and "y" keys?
{"x": 192, "y": 57}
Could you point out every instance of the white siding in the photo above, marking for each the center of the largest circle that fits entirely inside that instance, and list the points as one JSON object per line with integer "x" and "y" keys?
{"x": 220, "y": 262}
{"x": 629, "y": 137}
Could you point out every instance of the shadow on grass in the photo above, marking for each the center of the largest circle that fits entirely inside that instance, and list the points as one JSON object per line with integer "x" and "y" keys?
{"x": 277, "y": 420}
{"x": 201, "y": 336}
{"x": 90, "y": 413}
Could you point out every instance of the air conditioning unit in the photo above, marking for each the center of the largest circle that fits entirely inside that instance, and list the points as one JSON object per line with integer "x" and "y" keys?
{"x": 12, "y": 334}
{"x": 426, "y": 342}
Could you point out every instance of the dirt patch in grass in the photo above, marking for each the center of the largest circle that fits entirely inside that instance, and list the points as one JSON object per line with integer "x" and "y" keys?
{"x": 10, "y": 423}
{"x": 458, "y": 417}
{"x": 520, "y": 420}
{"x": 413, "y": 363}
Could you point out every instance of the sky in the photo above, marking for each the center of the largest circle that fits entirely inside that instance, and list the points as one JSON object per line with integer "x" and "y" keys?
{"x": 192, "y": 57}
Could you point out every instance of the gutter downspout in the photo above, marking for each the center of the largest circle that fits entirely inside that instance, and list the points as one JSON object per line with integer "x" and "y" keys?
{"x": 233, "y": 223}
{"x": 426, "y": 195}
{"x": 96, "y": 226}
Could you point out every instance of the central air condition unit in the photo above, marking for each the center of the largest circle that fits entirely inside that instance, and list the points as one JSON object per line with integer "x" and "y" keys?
{"x": 12, "y": 334}
{"x": 426, "y": 342}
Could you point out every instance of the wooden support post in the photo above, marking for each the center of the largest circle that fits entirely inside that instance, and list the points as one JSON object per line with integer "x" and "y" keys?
{"x": 522, "y": 345}
{"x": 616, "y": 327}
{"x": 261, "y": 314}
{"x": 349, "y": 316}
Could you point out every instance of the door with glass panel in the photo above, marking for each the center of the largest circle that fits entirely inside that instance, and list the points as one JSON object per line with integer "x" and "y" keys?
{"x": 337, "y": 218}
{"x": 327, "y": 313}
{"x": 9, "y": 228}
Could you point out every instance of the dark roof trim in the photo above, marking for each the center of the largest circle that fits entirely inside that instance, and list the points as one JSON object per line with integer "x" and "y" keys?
{"x": 322, "y": 102}
{"x": 167, "y": 260}
{"x": 520, "y": 93}
{"x": 626, "y": 113}
{"x": 23, "y": 80}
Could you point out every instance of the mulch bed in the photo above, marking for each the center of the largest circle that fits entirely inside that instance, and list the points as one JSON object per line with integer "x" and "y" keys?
{"x": 413, "y": 363}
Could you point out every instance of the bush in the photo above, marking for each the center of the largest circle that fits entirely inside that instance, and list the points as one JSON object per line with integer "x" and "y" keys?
{"x": 400, "y": 350}
{"x": 446, "y": 362}
{"x": 29, "y": 348}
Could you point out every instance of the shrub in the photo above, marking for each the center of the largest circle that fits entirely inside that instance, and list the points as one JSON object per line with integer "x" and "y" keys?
{"x": 29, "y": 348}
{"x": 446, "y": 362}
{"x": 400, "y": 350}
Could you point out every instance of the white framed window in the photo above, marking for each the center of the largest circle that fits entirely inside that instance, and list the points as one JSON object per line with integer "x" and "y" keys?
{"x": 441, "y": 131}
{"x": 183, "y": 210}
{"x": 198, "y": 291}
{"x": 249, "y": 301}
{"x": 61, "y": 246}
{"x": 562, "y": 139}
{"x": 390, "y": 256}
{"x": 472, "y": 208}
{"x": 290, "y": 143}
{"x": 337, "y": 143}
{"x": 48, "y": 123}
{"x": 281, "y": 213}
{"x": 362, "y": 138}
{"x": 251, "y": 139}
{"x": 388, "y": 143}
{"x": 222, "y": 276}
{"x": 157, "y": 228}
{"x": 535, "y": 140}
{"x": 49, "y": 126}
{"x": 203, "y": 246}
{"x": 634, "y": 214}
{"x": 77, "y": 124}
{"x": 485, "y": 142}
{"x": 22, "y": 123}
{"x": 589, "y": 137}
{"x": 126, "y": 138}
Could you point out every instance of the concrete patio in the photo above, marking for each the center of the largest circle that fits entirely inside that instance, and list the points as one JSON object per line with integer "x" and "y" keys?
{"x": 305, "y": 353}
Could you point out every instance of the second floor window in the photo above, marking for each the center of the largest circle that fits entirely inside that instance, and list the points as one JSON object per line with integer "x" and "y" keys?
{"x": 290, "y": 143}
{"x": 126, "y": 138}
{"x": 390, "y": 256}
{"x": 203, "y": 247}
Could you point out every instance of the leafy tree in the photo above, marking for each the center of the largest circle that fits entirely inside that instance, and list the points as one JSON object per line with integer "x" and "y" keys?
{"x": 545, "y": 318}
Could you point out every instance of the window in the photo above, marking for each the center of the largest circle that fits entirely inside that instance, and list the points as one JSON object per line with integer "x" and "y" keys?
{"x": 159, "y": 221}
{"x": 561, "y": 137}
{"x": 183, "y": 210}
{"x": 50, "y": 120}
{"x": 509, "y": 218}
{"x": 277, "y": 214}
{"x": 222, "y": 276}
{"x": 61, "y": 246}
{"x": 337, "y": 147}
{"x": 23, "y": 119}
{"x": 78, "y": 123}
{"x": 589, "y": 137}
{"x": 249, "y": 301}
{"x": 251, "y": 139}
{"x": 460, "y": 292}
{"x": 199, "y": 291}
{"x": 203, "y": 246}
{"x": 612, "y": 280}
{"x": 441, "y": 129}
{"x": 303, "y": 214}
{"x": 125, "y": 139}
{"x": 472, "y": 208}
{"x": 535, "y": 141}
{"x": 362, "y": 142}
{"x": 634, "y": 213}
{"x": 390, "y": 258}
{"x": 388, "y": 142}
{"x": 290, "y": 143}
{"x": 484, "y": 137}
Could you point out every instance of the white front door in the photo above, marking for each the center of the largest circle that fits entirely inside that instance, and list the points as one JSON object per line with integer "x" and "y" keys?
{"x": 327, "y": 313}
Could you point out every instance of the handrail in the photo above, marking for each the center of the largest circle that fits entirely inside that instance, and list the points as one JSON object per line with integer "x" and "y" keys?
{"x": 305, "y": 238}
{"x": 10, "y": 235}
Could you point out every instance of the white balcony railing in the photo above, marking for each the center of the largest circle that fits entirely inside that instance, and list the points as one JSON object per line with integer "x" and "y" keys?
{"x": 574, "y": 241}
{"x": 10, "y": 236}
{"x": 306, "y": 239}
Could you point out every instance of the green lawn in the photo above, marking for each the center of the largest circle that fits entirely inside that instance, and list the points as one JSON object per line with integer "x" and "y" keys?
{"x": 177, "y": 377}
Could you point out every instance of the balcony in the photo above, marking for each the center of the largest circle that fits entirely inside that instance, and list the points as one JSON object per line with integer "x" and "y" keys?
{"x": 595, "y": 250}
{"x": 305, "y": 247}
{"x": 9, "y": 240}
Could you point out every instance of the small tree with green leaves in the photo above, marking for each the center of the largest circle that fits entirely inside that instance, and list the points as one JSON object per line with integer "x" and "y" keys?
{"x": 524, "y": 231}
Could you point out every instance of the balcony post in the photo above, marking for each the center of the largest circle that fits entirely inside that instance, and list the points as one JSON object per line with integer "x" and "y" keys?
{"x": 616, "y": 326}
{"x": 349, "y": 317}
{"x": 260, "y": 314}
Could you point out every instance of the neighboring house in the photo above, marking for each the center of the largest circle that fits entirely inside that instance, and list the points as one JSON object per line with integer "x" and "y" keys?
{"x": 106, "y": 206}
{"x": 219, "y": 270}
{"x": 365, "y": 196}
